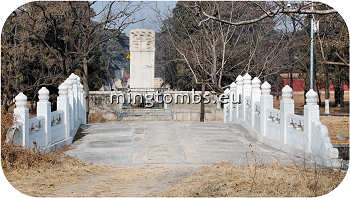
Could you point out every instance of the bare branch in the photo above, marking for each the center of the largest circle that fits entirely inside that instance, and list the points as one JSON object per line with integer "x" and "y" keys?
{"x": 267, "y": 14}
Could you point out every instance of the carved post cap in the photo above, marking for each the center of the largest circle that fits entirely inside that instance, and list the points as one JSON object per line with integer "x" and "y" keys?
{"x": 63, "y": 89}
{"x": 72, "y": 76}
{"x": 256, "y": 82}
{"x": 265, "y": 88}
{"x": 74, "y": 79}
{"x": 287, "y": 92}
{"x": 311, "y": 97}
{"x": 69, "y": 82}
{"x": 247, "y": 78}
{"x": 233, "y": 85}
{"x": 239, "y": 79}
{"x": 21, "y": 100}
{"x": 227, "y": 91}
{"x": 44, "y": 94}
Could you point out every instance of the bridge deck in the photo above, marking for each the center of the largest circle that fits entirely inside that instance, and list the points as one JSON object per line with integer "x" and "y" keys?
{"x": 130, "y": 144}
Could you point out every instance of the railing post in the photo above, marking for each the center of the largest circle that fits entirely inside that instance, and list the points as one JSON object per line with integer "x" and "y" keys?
{"x": 233, "y": 87}
{"x": 266, "y": 103}
{"x": 226, "y": 107}
{"x": 81, "y": 103}
{"x": 256, "y": 93}
{"x": 311, "y": 113}
{"x": 286, "y": 108}
{"x": 247, "y": 91}
{"x": 84, "y": 108}
{"x": 43, "y": 110}
{"x": 76, "y": 106}
{"x": 71, "y": 104}
{"x": 239, "y": 90}
{"x": 63, "y": 105}
{"x": 21, "y": 116}
{"x": 218, "y": 103}
{"x": 79, "y": 106}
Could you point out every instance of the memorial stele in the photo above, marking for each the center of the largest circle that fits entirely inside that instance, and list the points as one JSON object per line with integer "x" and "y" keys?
{"x": 142, "y": 51}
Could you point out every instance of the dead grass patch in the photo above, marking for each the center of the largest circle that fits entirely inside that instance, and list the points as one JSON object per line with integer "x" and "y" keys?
{"x": 6, "y": 123}
{"x": 46, "y": 180}
{"x": 224, "y": 179}
{"x": 15, "y": 158}
{"x": 337, "y": 126}
{"x": 96, "y": 118}
{"x": 38, "y": 174}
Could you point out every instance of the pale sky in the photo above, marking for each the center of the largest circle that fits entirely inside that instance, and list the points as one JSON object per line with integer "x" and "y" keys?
{"x": 147, "y": 12}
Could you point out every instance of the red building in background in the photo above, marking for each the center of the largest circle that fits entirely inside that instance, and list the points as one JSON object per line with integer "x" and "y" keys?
{"x": 298, "y": 84}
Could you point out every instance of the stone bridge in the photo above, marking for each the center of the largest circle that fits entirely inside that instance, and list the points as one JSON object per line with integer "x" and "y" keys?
{"x": 140, "y": 143}
{"x": 252, "y": 130}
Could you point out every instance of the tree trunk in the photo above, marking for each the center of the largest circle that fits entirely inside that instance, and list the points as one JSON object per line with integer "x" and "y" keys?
{"x": 305, "y": 91}
{"x": 5, "y": 106}
{"x": 319, "y": 97}
{"x": 32, "y": 110}
{"x": 317, "y": 87}
{"x": 342, "y": 93}
{"x": 86, "y": 86}
{"x": 337, "y": 92}
{"x": 202, "y": 103}
{"x": 327, "y": 94}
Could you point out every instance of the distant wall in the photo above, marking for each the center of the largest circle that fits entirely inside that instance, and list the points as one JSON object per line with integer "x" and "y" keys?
{"x": 99, "y": 102}
{"x": 298, "y": 85}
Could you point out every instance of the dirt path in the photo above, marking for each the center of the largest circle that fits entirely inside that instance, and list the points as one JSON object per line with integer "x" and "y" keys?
{"x": 131, "y": 182}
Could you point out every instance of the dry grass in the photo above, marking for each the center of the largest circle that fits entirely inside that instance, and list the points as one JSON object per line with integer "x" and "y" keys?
{"x": 47, "y": 178}
{"x": 14, "y": 158}
{"x": 96, "y": 118}
{"x": 31, "y": 172}
{"x": 337, "y": 126}
{"x": 6, "y": 122}
{"x": 75, "y": 178}
{"x": 224, "y": 179}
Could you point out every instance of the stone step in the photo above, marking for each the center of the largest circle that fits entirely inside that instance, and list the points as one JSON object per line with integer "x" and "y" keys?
{"x": 147, "y": 114}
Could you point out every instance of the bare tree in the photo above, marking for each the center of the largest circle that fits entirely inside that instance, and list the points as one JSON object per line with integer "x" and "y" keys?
{"x": 114, "y": 17}
{"x": 21, "y": 69}
{"x": 269, "y": 10}
{"x": 72, "y": 32}
{"x": 214, "y": 51}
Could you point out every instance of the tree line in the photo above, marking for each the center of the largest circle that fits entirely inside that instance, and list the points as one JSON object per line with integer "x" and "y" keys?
{"x": 201, "y": 45}
{"x": 43, "y": 42}
{"x": 210, "y": 43}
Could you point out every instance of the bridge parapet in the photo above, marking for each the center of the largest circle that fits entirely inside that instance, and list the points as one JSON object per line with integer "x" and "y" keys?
{"x": 304, "y": 136}
{"x": 50, "y": 130}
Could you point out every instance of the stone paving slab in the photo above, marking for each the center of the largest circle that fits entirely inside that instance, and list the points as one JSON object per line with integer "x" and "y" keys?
{"x": 129, "y": 144}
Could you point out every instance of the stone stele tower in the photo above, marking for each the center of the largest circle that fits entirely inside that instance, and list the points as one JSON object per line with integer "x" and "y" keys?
{"x": 142, "y": 48}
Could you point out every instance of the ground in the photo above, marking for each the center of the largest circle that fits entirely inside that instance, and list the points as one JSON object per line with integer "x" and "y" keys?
{"x": 172, "y": 159}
